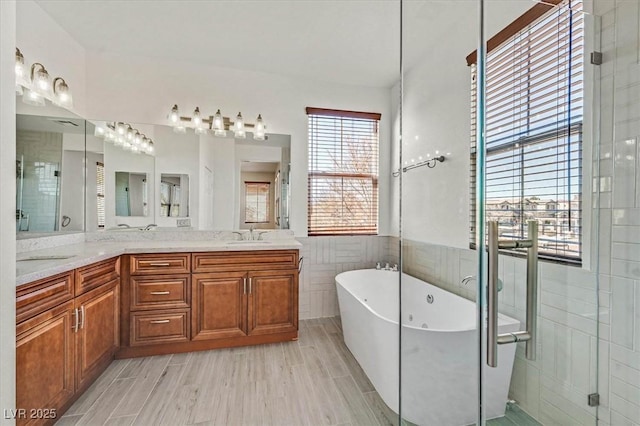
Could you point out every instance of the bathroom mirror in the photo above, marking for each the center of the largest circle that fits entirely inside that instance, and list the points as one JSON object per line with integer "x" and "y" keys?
{"x": 50, "y": 155}
{"x": 174, "y": 195}
{"x": 131, "y": 195}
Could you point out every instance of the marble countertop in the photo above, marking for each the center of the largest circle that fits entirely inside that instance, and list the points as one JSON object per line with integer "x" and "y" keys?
{"x": 85, "y": 253}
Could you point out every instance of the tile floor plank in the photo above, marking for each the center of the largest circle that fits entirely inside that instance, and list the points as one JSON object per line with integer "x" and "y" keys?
{"x": 154, "y": 409}
{"x": 91, "y": 395}
{"x": 120, "y": 421}
{"x": 100, "y": 412}
{"x": 359, "y": 411}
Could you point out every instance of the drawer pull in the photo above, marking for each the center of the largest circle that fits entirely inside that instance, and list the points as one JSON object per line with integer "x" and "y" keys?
{"x": 160, "y": 264}
{"x": 159, "y": 321}
{"x": 159, "y": 293}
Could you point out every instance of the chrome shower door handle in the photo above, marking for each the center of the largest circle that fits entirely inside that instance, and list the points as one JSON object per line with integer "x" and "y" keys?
{"x": 529, "y": 334}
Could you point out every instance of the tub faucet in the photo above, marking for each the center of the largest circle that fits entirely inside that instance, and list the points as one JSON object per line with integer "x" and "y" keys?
{"x": 394, "y": 268}
{"x": 378, "y": 266}
{"x": 468, "y": 278}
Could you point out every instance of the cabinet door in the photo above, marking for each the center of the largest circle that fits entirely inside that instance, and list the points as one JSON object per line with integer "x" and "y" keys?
{"x": 273, "y": 302}
{"x": 44, "y": 361}
{"x": 218, "y": 305}
{"x": 98, "y": 331}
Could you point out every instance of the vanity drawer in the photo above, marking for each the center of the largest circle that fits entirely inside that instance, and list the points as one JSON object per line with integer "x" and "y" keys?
{"x": 160, "y": 292}
{"x": 160, "y": 327}
{"x": 97, "y": 274}
{"x": 38, "y": 296}
{"x": 245, "y": 260}
{"x": 154, "y": 264}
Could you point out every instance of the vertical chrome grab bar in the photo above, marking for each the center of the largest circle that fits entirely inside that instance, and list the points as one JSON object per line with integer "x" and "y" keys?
{"x": 529, "y": 335}
{"x": 532, "y": 289}
{"x": 492, "y": 295}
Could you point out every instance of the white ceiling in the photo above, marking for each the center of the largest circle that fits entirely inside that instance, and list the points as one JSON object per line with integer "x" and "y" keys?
{"x": 345, "y": 41}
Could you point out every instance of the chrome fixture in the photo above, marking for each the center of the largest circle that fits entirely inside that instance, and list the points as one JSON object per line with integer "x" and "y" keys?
{"x": 150, "y": 227}
{"x": 216, "y": 124}
{"x": 430, "y": 163}
{"x": 529, "y": 335}
{"x": 394, "y": 268}
{"x": 124, "y": 136}
{"x": 378, "y": 266}
{"x": 240, "y": 234}
{"x": 468, "y": 278}
{"x": 123, "y": 225}
{"x": 36, "y": 86}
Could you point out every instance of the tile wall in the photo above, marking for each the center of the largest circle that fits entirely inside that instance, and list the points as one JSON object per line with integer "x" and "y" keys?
{"x": 325, "y": 257}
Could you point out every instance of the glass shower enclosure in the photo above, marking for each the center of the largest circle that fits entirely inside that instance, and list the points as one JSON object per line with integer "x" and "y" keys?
{"x": 497, "y": 216}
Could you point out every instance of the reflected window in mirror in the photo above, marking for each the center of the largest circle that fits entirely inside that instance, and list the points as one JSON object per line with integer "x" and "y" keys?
{"x": 100, "y": 209}
{"x": 174, "y": 195}
{"x": 131, "y": 194}
{"x": 257, "y": 205}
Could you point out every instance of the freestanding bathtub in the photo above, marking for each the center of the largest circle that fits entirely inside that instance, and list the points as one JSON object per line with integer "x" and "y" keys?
{"x": 439, "y": 347}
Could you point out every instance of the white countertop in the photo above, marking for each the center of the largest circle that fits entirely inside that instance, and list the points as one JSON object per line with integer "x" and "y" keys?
{"x": 83, "y": 254}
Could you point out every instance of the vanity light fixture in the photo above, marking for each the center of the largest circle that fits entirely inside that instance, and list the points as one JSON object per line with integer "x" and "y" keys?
{"x": 126, "y": 137}
{"x": 37, "y": 86}
{"x": 216, "y": 124}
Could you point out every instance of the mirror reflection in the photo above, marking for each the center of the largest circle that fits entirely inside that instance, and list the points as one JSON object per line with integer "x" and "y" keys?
{"x": 131, "y": 194}
{"x": 174, "y": 195}
{"x": 49, "y": 166}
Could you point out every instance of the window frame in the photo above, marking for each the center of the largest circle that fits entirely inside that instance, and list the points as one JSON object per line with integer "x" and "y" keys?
{"x": 533, "y": 16}
{"x": 341, "y": 177}
{"x": 268, "y": 199}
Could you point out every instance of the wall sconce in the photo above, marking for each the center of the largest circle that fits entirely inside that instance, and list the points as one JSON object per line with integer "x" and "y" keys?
{"x": 216, "y": 124}
{"x": 126, "y": 137}
{"x": 430, "y": 163}
{"x": 37, "y": 87}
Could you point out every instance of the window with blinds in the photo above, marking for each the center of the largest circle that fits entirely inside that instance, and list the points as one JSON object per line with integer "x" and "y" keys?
{"x": 256, "y": 207}
{"x": 534, "y": 112}
{"x": 343, "y": 172}
{"x": 100, "y": 193}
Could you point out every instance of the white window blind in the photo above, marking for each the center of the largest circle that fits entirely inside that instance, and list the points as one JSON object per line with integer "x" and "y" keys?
{"x": 343, "y": 172}
{"x": 100, "y": 192}
{"x": 534, "y": 112}
{"x": 257, "y": 202}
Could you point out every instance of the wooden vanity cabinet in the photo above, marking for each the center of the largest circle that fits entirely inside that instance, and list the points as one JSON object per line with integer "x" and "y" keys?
{"x": 60, "y": 351}
{"x": 250, "y": 294}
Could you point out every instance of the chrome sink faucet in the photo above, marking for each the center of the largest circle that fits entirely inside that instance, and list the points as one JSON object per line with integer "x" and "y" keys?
{"x": 123, "y": 225}
{"x": 150, "y": 227}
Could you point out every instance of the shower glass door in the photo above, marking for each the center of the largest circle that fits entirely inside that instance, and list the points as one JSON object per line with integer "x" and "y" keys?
{"x": 498, "y": 231}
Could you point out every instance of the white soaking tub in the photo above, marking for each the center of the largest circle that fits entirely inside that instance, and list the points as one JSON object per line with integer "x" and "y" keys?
{"x": 439, "y": 341}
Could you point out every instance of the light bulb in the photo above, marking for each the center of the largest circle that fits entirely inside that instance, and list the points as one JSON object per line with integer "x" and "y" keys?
{"x": 174, "y": 115}
{"x": 258, "y": 134}
{"x": 137, "y": 139}
{"x": 150, "y": 150}
{"x": 99, "y": 132}
{"x": 179, "y": 129}
{"x": 121, "y": 128}
{"x": 130, "y": 134}
{"x": 144, "y": 145}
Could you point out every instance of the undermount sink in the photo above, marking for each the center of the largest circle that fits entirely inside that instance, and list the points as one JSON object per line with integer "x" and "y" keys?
{"x": 250, "y": 242}
{"x": 52, "y": 257}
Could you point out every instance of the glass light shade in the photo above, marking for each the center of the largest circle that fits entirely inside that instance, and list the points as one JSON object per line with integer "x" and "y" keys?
{"x": 127, "y": 146}
{"x": 61, "y": 93}
{"x": 174, "y": 116}
{"x": 31, "y": 97}
{"x": 134, "y": 149}
{"x": 130, "y": 134}
{"x": 200, "y": 131}
{"x": 19, "y": 90}
{"x": 179, "y": 129}
{"x": 21, "y": 71}
{"x": 119, "y": 141}
{"x": 40, "y": 80}
{"x": 258, "y": 133}
{"x": 218, "y": 125}
{"x": 121, "y": 128}
{"x": 109, "y": 136}
{"x": 150, "y": 150}
{"x": 196, "y": 119}
{"x": 99, "y": 132}
{"x": 144, "y": 144}
{"x": 238, "y": 127}
{"x": 137, "y": 139}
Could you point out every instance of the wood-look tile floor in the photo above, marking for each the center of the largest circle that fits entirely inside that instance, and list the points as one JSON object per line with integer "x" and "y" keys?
{"x": 314, "y": 381}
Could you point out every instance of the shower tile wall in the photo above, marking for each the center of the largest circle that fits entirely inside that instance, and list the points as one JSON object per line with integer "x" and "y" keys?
{"x": 619, "y": 176}
{"x": 324, "y": 258}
